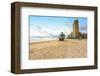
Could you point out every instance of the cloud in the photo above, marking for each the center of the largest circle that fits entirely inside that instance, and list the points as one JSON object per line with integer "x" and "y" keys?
{"x": 69, "y": 23}
{"x": 83, "y": 28}
{"x": 45, "y": 32}
{"x": 39, "y": 32}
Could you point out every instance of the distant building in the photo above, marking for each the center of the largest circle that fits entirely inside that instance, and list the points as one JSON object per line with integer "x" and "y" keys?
{"x": 76, "y": 34}
{"x": 75, "y": 29}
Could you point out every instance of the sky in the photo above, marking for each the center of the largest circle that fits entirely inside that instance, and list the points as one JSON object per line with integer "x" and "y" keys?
{"x": 53, "y": 25}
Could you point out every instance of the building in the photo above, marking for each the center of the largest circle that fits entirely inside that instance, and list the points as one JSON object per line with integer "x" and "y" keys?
{"x": 76, "y": 29}
{"x": 76, "y": 34}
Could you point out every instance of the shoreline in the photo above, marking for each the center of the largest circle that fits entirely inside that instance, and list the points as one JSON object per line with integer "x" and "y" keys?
{"x": 42, "y": 41}
{"x": 53, "y": 40}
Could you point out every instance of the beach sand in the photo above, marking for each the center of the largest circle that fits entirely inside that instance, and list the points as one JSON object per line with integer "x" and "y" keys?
{"x": 71, "y": 48}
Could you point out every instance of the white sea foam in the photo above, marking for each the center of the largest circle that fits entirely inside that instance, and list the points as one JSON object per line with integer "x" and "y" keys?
{"x": 41, "y": 39}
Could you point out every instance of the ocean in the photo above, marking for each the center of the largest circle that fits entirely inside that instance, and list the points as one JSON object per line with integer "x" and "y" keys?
{"x": 41, "y": 39}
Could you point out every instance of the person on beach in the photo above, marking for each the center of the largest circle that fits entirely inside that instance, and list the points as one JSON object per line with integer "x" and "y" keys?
{"x": 62, "y": 36}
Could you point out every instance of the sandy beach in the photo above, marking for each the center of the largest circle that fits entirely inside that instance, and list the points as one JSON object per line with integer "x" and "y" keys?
{"x": 58, "y": 49}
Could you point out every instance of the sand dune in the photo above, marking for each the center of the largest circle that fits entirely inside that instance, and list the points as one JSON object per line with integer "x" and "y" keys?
{"x": 58, "y": 49}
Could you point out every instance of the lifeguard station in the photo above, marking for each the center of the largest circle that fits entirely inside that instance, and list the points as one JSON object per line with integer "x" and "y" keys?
{"x": 62, "y": 36}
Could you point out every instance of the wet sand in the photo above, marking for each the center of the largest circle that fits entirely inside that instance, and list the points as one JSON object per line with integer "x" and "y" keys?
{"x": 58, "y": 49}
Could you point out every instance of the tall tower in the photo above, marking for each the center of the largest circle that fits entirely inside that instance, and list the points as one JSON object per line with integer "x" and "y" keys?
{"x": 76, "y": 29}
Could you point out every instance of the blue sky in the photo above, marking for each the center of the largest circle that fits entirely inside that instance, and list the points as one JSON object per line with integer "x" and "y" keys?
{"x": 44, "y": 25}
